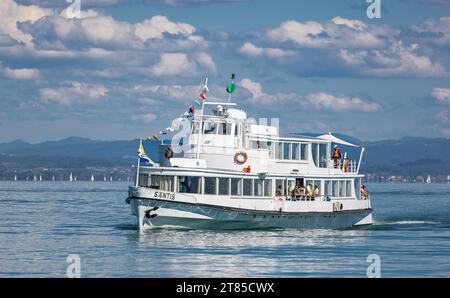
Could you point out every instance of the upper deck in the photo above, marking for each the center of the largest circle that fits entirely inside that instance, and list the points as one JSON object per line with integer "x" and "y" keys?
{"x": 227, "y": 139}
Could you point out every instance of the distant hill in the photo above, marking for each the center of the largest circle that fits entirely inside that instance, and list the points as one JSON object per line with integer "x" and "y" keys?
{"x": 71, "y": 151}
{"x": 408, "y": 155}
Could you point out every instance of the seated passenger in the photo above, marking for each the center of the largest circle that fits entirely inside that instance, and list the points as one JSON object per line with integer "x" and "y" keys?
{"x": 364, "y": 192}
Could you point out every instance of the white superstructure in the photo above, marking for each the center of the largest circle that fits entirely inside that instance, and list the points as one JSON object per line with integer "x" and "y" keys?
{"x": 232, "y": 172}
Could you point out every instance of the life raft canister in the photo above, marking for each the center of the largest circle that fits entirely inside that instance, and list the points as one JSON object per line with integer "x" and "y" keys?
{"x": 240, "y": 157}
{"x": 168, "y": 153}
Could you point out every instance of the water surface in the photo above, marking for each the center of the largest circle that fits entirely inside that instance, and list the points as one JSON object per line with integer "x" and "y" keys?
{"x": 41, "y": 223}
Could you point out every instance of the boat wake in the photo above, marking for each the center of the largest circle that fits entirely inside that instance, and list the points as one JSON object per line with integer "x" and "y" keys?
{"x": 405, "y": 223}
{"x": 414, "y": 222}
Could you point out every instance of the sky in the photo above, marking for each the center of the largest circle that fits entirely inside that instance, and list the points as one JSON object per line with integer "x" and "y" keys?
{"x": 124, "y": 69}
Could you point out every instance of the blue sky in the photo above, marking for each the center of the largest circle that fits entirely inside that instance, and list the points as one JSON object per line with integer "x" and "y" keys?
{"x": 125, "y": 69}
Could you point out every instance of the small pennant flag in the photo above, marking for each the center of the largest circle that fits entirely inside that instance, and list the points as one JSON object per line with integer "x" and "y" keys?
{"x": 198, "y": 102}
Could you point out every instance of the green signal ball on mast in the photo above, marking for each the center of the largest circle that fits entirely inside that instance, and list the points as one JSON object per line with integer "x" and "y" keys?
{"x": 231, "y": 87}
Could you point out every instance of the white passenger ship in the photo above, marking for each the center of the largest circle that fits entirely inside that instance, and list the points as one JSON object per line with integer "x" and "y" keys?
{"x": 229, "y": 172}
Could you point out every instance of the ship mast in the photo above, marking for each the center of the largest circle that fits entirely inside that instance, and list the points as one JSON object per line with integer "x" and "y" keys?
{"x": 200, "y": 128}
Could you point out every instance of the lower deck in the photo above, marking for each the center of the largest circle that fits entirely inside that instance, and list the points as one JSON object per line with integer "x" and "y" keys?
{"x": 251, "y": 186}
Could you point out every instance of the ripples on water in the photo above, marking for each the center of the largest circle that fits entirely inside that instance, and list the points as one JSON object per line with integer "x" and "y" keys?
{"x": 41, "y": 223}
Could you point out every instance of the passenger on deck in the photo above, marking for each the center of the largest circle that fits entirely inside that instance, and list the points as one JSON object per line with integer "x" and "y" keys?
{"x": 316, "y": 192}
{"x": 364, "y": 192}
{"x": 297, "y": 193}
{"x": 336, "y": 156}
{"x": 309, "y": 191}
{"x": 345, "y": 163}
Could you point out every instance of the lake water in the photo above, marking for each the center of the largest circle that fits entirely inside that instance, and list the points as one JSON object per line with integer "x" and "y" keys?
{"x": 41, "y": 223}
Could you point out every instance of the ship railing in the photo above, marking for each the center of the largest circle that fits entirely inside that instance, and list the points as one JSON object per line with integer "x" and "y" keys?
{"x": 350, "y": 167}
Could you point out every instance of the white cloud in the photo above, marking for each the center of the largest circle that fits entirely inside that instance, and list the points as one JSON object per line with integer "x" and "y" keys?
{"x": 441, "y": 94}
{"x": 260, "y": 97}
{"x": 148, "y": 118}
{"x": 168, "y": 92}
{"x": 304, "y": 34}
{"x": 171, "y": 64}
{"x": 400, "y": 60}
{"x": 327, "y": 101}
{"x": 206, "y": 61}
{"x": 320, "y": 100}
{"x": 73, "y": 92}
{"x": 157, "y": 25}
{"x": 354, "y": 24}
{"x": 250, "y": 49}
{"x": 347, "y": 48}
{"x": 20, "y": 73}
{"x": 11, "y": 13}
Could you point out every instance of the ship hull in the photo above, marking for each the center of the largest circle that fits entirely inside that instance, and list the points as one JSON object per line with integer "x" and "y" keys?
{"x": 152, "y": 213}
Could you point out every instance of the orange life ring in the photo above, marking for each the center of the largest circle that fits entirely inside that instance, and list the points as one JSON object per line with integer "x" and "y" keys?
{"x": 240, "y": 157}
{"x": 168, "y": 153}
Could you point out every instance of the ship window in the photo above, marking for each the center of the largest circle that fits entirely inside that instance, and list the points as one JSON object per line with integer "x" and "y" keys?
{"x": 143, "y": 180}
{"x": 348, "y": 188}
{"x": 248, "y": 187}
{"x": 323, "y": 156}
{"x": 278, "y": 147}
{"x": 290, "y": 186}
{"x": 255, "y": 145}
{"x": 188, "y": 184}
{"x": 224, "y": 184}
{"x": 304, "y": 151}
{"x": 358, "y": 188}
{"x": 315, "y": 155}
{"x": 258, "y": 187}
{"x": 286, "y": 150}
{"x": 236, "y": 186}
{"x": 209, "y": 128}
{"x": 327, "y": 188}
{"x": 268, "y": 187}
{"x": 195, "y": 127}
{"x": 265, "y": 145}
{"x": 335, "y": 188}
{"x": 295, "y": 151}
{"x": 155, "y": 181}
{"x": 166, "y": 183}
{"x": 279, "y": 186}
{"x": 317, "y": 184}
{"x": 210, "y": 185}
{"x": 341, "y": 189}
{"x": 224, "y": 128}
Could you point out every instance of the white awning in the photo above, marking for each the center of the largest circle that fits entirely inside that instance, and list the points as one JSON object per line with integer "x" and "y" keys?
{"x": 333, "y": 139}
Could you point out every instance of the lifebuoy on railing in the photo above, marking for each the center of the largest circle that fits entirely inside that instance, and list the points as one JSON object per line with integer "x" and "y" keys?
{"x": 168, "y": 153}
{"x": 240, "y": 157}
